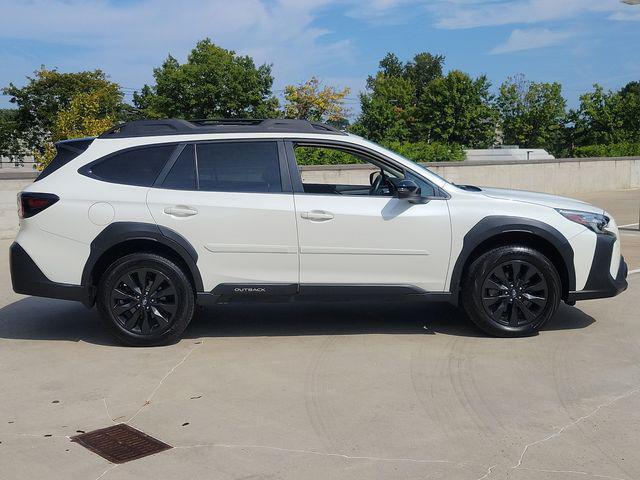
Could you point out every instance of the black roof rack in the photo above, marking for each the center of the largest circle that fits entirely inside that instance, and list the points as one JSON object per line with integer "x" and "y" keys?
{"x": 150, "y": 128}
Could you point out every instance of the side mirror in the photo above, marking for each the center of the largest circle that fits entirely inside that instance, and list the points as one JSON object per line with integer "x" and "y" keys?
{"x": 410, "y": 191}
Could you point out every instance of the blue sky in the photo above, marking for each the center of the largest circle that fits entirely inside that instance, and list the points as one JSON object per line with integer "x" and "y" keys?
{"x": 575, "y": 42}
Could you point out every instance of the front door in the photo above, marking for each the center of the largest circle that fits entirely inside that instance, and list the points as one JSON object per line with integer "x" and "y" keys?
{"x": 228, "y": 199}
{"x": 352, "y": 231}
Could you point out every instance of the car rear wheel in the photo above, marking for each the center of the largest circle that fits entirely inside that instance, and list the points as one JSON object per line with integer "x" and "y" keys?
{"x": 145, "y": 300}
{"x": 511, "y": 291}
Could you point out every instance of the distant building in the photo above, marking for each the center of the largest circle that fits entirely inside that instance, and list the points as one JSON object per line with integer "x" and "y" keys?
{"x": 507, "y": 153}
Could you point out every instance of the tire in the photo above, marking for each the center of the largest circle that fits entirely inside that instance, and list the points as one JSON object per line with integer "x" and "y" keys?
{"x": 511, "y": 291}
{"x": 160, "y": 302}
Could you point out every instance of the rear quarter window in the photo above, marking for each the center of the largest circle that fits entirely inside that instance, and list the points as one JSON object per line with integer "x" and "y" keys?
{"x": 137, "y": 166}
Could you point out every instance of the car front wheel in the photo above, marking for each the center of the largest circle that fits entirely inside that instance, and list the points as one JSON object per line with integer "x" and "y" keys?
{"x": 145, "y": 300}
{"x": 511, "y": 291}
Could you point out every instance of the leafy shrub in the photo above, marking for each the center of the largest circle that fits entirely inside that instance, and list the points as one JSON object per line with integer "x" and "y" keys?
{"x": 416, "y": 151}
{"x": 626, "y": 149}
{"x": 324, "y": 156}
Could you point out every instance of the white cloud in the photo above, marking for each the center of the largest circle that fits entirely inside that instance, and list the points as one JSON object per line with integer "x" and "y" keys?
{"x": 531, "y": 39}
{"x": 381, "y": 11}
{"x": 456, "y": 14}
{"x": 628, "y": 15}
{"x": 129, "y": 39}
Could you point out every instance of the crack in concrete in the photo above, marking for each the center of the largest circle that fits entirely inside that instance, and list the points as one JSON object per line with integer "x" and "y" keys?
{"x": 112, "y": 467}
{"x": 575, "y": 422}
{"x": 322, "y": 454}
{"x": 489, "y": 472}
{"x": 167, "y": 375}
{"x": 560, "y": 430}
{"x": 147, "y": 402}
{"x": 571, "y": 472}
{"x": 34, "y": 435}
{"x": 106, "y": 407}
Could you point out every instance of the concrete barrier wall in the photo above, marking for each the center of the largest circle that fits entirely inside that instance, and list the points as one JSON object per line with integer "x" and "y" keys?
{"x": 558, "y": 176}
{"x": 9, "y": 188}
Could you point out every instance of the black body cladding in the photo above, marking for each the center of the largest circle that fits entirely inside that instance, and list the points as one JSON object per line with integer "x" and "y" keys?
{"x": 121, "y": 232}
{"x": 599, "y": 283}
{"x": 492, "y": 226}
{"x": 28, "y": 279}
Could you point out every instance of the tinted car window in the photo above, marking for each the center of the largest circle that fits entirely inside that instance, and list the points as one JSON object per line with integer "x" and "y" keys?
{"x": 139, "y": 166}
{"x": 182, "y": 175}
{"x": 239, "y": 167}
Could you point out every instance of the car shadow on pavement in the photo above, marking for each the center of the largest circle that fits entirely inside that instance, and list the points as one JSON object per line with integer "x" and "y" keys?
{"x": 43, "y": 319}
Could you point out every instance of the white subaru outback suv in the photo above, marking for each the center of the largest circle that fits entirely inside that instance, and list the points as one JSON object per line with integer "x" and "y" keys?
{"x": 152, "y": 217}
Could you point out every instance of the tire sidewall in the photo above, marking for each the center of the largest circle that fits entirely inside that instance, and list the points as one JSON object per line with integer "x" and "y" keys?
{"x": 484, "y": 265}
{"x": 184, "y": 292}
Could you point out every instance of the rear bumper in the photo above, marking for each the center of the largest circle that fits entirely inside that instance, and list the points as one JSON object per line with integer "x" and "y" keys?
{"x": 600, "y": 283}
{"x": 28, "y": 279}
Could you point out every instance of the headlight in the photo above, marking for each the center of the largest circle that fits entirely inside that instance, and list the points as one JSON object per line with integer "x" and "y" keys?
{"x": 595, "y": 222}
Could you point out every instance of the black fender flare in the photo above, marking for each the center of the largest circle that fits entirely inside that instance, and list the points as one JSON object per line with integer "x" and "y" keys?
{"x": 120, "y": 232}
{"x": 499, "y": 224}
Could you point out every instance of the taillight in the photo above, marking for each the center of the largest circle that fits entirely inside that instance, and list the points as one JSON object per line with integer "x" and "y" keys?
{"x": 30, "y": 204}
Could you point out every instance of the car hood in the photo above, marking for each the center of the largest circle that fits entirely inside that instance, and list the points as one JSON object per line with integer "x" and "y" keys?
{"x": 544, "y": 199}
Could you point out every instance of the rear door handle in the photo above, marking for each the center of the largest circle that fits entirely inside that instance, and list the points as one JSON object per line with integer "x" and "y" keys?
{"x": 180, "y": 211}
{"x": 317, "y": 215}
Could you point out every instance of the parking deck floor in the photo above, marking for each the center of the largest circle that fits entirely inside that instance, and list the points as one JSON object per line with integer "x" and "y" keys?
{"x": 319, "y": 391}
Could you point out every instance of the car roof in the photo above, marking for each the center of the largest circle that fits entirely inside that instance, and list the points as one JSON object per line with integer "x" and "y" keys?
{"x": 152, "y": 128}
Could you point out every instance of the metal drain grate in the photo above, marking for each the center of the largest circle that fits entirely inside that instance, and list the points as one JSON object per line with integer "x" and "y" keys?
{"x": 120, "y": 443}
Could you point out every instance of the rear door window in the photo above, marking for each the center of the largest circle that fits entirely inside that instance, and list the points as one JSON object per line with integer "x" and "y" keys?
{"x": 138, "y": 166}
{"x": 238, "y": 167}
{"x": 182, "y": 175}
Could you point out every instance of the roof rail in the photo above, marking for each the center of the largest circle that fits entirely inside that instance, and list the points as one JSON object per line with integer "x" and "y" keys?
{"x": 150, "y": 128}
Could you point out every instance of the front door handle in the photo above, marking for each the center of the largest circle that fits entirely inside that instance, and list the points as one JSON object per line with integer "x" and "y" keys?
{"x": 317, "y": 215}
{"x": 180, "y": 211}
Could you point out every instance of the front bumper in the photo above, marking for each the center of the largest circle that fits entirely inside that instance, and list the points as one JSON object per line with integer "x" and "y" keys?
{"x": 600, "y": 283}
{"x": 28, "y": 279}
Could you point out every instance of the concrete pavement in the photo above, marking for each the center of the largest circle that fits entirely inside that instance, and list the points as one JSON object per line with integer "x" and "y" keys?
{"x": 317, "y": 391}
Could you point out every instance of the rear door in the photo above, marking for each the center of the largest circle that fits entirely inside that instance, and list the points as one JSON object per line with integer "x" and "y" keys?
{"x": 232, "y": 201}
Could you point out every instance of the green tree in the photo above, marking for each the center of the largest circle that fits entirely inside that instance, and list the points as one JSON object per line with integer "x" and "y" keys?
{"x": 532, "y": 114}
{"x": 631, "y": 88}
{"x": 213, "y": 83}
{"x": 313, "y": 102}
{"x": 388, "y": 110}
{"x": 457, "y": 109}
{"x": 389, "y": 66}
{"x": 393, "y": 93}
{"x": 84, "y": 117}
{"x": 8, "y": 129}
{"x": 422, "y": 70}
{"x": 48, "y": 92}
{"x": 600, "y": 119}
{"x": 414, "y": 102}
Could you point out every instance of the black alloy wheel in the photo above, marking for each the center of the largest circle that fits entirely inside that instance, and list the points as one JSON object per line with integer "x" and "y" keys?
{"x": 144, "y": 301}
{"x": 511, "y": 291}
{"x": 515, "y": 293}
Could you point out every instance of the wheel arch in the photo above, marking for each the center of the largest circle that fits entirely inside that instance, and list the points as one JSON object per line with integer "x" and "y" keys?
{"x": 123, "y": 238}
{"x": 495, "y": 231}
